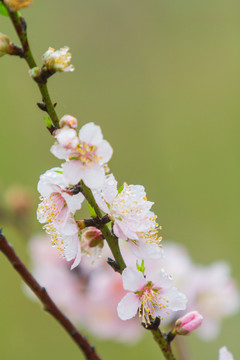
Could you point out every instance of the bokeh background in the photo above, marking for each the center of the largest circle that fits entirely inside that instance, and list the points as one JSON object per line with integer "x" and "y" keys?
{"x": 162, "y": 78}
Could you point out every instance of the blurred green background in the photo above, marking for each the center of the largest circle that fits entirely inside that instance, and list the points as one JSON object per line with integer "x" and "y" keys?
{"x": 162, "y": 78}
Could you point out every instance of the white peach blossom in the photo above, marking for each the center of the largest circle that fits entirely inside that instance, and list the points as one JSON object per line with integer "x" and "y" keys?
{"x": 132, "y": 218}
{"x": 85, "y": 155}
{"x": 56, "y": 204}
{"x": 151, "y": 296}
{"x": 58, "y": 60}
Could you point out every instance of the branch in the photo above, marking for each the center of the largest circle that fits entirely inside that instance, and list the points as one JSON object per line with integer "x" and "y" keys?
{"x": 45, "y": 299}
{"x": 21, "y": 29}
{"x": 111, "y": 239}
{"x": 163, "y": 344}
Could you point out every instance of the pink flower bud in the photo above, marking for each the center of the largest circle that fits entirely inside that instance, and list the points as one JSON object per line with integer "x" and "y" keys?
{"x": 68, "y": 120}
{"x": 92, "y": 237}
{"x": 187, "y": 323}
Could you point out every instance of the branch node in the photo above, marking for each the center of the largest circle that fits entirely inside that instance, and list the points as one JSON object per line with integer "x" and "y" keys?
{"x": 42, "y": 106}
{"x": 116, "y": 267}
{"x": 154, "y": 324}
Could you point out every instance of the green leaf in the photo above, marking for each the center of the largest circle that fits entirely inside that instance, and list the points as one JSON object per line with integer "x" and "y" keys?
{"x": 91, "y": 210}
{"x": 3, "y": 10}
{"x": 121, "y": 188}
{"x": 58, "y": 171}
{"x": 141, "y": 268}
{"x": 47, "y": 121}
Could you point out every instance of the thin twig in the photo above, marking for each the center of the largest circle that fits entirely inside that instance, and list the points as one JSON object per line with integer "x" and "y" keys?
{"x": 21, "y": 28}
{"x": 45, "y": 299}
{"x": 163, "y": 344}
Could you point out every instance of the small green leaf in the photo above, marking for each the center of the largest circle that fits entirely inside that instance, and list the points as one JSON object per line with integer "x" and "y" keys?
{"x": 91, "y": 210}
{"x": 47, "y": 121}
{"x": 3, "y": 10}
{"x": 58, "y": 171}
{"x": 141, "y": 268}
{"x": 121, "y": 188}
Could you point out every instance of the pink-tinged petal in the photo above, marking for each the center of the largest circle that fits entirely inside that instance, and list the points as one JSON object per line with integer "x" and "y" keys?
{"x": 62, "y": 217}
{"x": 91, "y": 134}
{"x": 74, "y": 202}
{"x": 94, "y": 176}
{"x": 104, "y": 152}
{"x": 177, "y": 300}
{"x": 128, "y": 306}
{"x": 69, "y": 227}
{"x": 133, "y": 280}
{"x": 73, "y": 172}
{"x": 117, "y": 230}
{"x": 60, "y": 152}
{"x": 224, "y": 354}
{"x": 146, "y": 251}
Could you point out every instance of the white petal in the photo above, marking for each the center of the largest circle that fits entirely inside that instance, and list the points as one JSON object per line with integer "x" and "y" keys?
{"x": 90, "y": 134}
{"x": 104, "y": 152}
{"x": 69, "y": 227}
{"x": 109, "y": 189}
{"x": 48, "y": 181}
{"x": 128, "y": 306}
{"x": 74, "y": 202}
{"x": 60, "y": 152}
{"x": 73, "y": 172}
{"x": 162, "y": 279}
{"x": 78, "y": 257}
{"x": 117, "y": 229}
{"x": 224, "y": 354}
{"x": 177, "y": 300}
{"x": 133, "y": 280}
{"x": 94, "y": 176}
{"x": 146, "y": 251}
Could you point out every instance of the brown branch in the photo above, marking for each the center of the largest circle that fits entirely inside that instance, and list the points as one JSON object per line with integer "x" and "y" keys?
{"x": 45, "y": 299}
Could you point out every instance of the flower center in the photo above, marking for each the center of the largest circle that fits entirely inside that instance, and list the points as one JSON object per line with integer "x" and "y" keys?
{"x": 85, "y": 153}
{"x": 151, "y": 302}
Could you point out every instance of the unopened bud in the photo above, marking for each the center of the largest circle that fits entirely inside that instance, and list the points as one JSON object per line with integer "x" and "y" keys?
{"x": 4, "y": 44}
{"x": 58, "y": 60}
{"x": 67, "y": 138}
{"x": 19, "y": 200}
{"x": 69, "y": 121}
{"x": 93, "y": 237}
{"x": 15, "y": 5}
{"x": 35, "y": 72}
{"x": 187, "y": 323}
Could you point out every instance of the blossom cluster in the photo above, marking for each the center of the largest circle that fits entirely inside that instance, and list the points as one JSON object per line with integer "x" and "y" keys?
{"x": 90, "y": 294}
{"x": 128, "y": 211}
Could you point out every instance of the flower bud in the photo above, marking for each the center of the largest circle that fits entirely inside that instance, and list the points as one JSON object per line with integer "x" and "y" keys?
{"x": 187, "y": 323}
{"x": 92, "y": 237}
{"x": 67, "y": 138}
{"x": 35, "y": 72}
{"x": 68, "y": 120}
{"x": 15, "y": 5}
{"x": 4, "y": 44}
{"x": 58, "y": 60}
